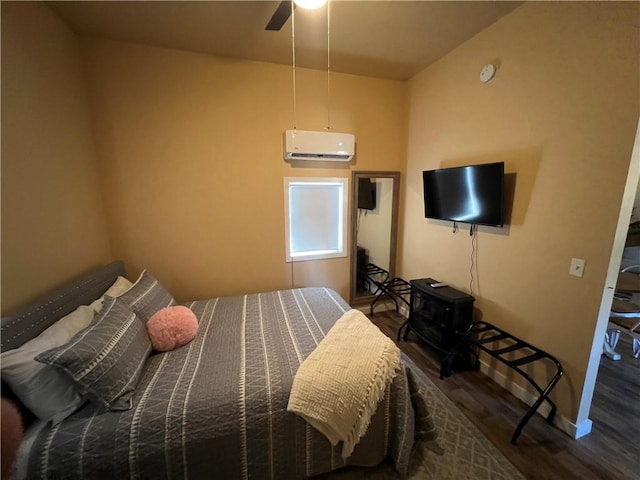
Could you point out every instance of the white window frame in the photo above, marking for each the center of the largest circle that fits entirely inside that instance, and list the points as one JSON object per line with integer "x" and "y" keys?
{"x": 341, "y": 185}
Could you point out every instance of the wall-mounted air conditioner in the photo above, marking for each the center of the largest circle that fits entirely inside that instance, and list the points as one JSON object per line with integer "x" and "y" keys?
{"x": 325, "y": 146}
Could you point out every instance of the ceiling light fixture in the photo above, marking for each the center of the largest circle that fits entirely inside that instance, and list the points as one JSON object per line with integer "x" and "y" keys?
{"x": 310, "y": 4}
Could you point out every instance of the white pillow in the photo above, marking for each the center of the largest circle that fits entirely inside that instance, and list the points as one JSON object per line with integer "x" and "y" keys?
{"x": 120, "y": 286}
{"x": 46, "y": 391}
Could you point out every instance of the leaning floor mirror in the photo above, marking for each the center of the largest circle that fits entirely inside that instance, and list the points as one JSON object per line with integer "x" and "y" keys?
{"x": 374, "y": 226}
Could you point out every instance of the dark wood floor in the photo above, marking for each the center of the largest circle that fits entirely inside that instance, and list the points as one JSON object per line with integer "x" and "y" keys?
{"x": 611, "y": 451}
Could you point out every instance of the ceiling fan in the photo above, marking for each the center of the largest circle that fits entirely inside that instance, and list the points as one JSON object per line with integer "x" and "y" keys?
{"x": 280, "y": 16}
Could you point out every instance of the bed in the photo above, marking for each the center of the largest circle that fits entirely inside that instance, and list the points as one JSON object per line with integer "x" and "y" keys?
{"x": 215, "y": 408}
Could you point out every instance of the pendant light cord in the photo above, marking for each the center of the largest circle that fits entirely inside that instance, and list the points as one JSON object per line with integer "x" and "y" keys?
{"x": 328, "y": 64}
{"x": 293, "y": 61}
{"x": 293, "y": 44}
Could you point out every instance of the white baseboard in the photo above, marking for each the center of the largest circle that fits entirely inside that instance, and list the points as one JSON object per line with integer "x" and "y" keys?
{"x": 581, "y": 429}
{"x": 563, "y": 423}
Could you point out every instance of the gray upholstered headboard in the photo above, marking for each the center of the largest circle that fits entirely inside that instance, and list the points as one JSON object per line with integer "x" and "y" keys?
{"x": 32, "y": 319}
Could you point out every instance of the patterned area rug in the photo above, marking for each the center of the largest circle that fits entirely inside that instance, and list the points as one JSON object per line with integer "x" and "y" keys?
{"x": 460, "y": 450}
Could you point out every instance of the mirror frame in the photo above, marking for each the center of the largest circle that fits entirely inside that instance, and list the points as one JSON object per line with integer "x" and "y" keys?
{"x": 355, "y": 180}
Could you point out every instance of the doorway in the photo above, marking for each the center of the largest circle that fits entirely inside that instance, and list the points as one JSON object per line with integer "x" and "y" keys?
{"x": 583, "y": 423}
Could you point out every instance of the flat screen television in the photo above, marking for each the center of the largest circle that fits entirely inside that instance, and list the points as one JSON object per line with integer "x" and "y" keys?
{"x": 366, "y": 194}
{"x": 470, "y": 194}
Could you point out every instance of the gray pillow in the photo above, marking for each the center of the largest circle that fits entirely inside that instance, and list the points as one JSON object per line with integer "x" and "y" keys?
{"x": 106, "y": 359}
{"x": 147, "y": 296}
{"x": 48, "y": 392}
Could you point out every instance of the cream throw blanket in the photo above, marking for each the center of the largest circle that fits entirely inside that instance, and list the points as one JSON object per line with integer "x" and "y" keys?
{"x": 337, "y": 388}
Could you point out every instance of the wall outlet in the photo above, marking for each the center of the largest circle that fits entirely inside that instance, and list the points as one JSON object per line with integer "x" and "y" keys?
{"x": 577, "y": 267}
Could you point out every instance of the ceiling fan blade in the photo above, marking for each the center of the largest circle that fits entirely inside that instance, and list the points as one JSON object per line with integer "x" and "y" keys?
{"x": 280, "y": 16}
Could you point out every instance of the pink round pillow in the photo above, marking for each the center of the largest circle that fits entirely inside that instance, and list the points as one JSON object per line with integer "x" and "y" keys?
{"x": 172, "y": 327}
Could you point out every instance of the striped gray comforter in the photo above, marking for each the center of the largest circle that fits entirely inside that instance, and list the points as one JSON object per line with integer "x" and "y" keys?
{"x": 216, "y": 408}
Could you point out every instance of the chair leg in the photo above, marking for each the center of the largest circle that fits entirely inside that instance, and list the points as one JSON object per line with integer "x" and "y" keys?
{"x": 614, "y": 337}
{"x": 610, "y": 341}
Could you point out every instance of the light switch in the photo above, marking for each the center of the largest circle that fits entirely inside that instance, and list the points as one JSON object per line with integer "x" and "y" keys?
{"x": 577, "y": 267}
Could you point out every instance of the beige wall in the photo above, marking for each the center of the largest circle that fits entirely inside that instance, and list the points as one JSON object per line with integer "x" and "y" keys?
{"x": 53, "y": 225}
{"x": 191, "y": 157}
{"x": 561, "y": 113}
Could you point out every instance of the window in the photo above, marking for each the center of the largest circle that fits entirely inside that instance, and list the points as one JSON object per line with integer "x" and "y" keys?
{"x": 315, "y": 218}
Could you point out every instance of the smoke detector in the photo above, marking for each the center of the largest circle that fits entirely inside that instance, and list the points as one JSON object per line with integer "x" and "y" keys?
{"x": 487, "y": 73}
